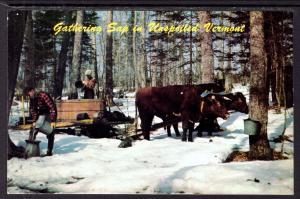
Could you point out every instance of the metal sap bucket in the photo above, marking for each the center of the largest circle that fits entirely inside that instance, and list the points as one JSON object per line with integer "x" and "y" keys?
{"x": 251, "y": 127}
{"x": 32, "y": 148}
{"x": 43, "y": 125}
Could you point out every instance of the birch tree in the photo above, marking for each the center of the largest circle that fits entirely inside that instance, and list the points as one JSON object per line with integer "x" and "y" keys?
{"x": 143, "y": 72}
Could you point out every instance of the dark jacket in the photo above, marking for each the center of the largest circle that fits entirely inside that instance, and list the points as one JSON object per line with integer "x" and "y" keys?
{"x": 88, "y": 88}
{"x": 42, "y": 104}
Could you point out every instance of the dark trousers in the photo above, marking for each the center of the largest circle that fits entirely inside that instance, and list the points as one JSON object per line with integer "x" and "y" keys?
{"x": 89, "y": 93}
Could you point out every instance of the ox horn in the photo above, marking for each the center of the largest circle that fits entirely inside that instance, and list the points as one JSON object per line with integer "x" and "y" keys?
{"x": 221, "y": 93}
{"x": 226, "y": 98}
{"x": 177, "y": 114}
{"x": 205, "y": 93}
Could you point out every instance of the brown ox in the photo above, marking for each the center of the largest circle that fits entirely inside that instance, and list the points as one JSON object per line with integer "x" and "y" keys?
{"x": 235, "y": 102}
{"x": 210, "y": 87}
{"x": 170, "y": 100}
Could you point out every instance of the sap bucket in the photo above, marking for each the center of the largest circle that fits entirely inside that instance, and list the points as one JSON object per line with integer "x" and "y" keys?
{"x": 43, "y": 125}
{"x": 251, "y": 127}
{"x": 32, "y": 148}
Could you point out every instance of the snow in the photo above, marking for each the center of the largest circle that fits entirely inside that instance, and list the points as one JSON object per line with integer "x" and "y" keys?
{"x": 16, "y": 111}
{"x": 163, "y": 165}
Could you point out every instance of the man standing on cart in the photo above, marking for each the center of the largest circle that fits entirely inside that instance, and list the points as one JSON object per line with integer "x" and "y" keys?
{"x": 88, "y": 85}
{"x": 43, "y": 111}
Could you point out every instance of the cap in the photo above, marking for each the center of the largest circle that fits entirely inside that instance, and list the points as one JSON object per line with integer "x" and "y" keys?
{"x": 88, "y": 72}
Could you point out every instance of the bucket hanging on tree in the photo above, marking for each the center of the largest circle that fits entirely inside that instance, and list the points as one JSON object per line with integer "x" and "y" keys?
{"x": 251, "y": 127}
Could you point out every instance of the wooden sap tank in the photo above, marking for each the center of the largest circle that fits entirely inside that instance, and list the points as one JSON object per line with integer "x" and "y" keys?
{"x": 67, "y": 110}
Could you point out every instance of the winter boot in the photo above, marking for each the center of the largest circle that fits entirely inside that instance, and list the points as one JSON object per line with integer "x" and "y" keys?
{"x": 190, "y": 138}
{"x": 50, "y": 138}
{"x": 183, "y": 138}
{"x": 147, "y": 135}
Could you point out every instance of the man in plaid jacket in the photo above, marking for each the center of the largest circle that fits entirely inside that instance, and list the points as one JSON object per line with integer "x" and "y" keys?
{"x": 41, "y": 106}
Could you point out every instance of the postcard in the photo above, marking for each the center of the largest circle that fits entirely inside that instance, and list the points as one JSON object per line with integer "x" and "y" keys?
{"x": 147, "y": 101}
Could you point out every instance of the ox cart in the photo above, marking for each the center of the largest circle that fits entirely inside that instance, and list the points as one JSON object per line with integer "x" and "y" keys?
{"x": 83, "y": 116}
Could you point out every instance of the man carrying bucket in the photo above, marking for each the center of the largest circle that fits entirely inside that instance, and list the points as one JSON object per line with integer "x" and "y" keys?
{"x": 43, "y": 111}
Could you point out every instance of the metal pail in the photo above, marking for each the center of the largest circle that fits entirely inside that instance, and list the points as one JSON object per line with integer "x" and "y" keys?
{"x": 251, "y": 127}
{"x": 32, "y": 148}
{"x": 43, "y": 125}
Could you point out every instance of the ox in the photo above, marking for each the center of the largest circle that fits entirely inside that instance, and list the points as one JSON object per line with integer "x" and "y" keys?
{"x": 234, "y": 102}
{"x": 167, "y": 101}
{"x": 194, "y": 108}
{"x": 209, "y": 87}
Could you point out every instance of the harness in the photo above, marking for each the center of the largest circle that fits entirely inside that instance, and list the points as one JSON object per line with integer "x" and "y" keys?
{"x": 201, "y": 106}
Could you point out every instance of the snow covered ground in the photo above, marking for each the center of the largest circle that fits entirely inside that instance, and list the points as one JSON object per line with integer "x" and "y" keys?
{"x": 164, "y": 165}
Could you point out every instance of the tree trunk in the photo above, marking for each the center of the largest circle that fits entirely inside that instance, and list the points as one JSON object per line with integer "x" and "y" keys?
{"x": 29, "y": 52}
{"x": 272, "y": 57}
{"x": 223, "y": 49}
{"x": 76, "y": 63}
{"x": 16, "y": 28}
{"x": 228, "y": 70}
{"x": 259, "y": 144}
{"x": 94, "y": 44}
{"x": 181, "y": 62}
{"x": 135, "y": 64}
{"x": 62, "y": 59}
{"x": 109, "y": 62}
{"x": 54, "y": 71}
{"x": 131, "y": 49}
{"x": 143, "y": 67}
{"x": 161, "y": 65}
{"x": 154, "y": 65}
{"x": 206, "y": 49}
{"x": 288, "y": 63}
{"x": 190, "y": 78}
{"x": 197, "y": 79}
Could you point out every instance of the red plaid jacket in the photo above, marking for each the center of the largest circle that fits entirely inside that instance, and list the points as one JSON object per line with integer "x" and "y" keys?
{"x": 90, "y": 83}
{"x": 42, "y": 104}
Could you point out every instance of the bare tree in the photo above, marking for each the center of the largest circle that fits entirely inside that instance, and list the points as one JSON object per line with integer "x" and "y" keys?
{"x": 109, "y": 61}
{"x": 29, "y": 52}
{"x": 143, "y": 66}
{"x": 134, "y": 52}
{"x": 190, "y": 74}
{"x": 154, "y": 65}
{"x": 206, "y": 49}
{"x": 62, "y": 59}
{"x": 16, "y": 28}
{"x": 259, "y": 144}
{"x": 94, "y": 46}
{"x": 76, "y": 65}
